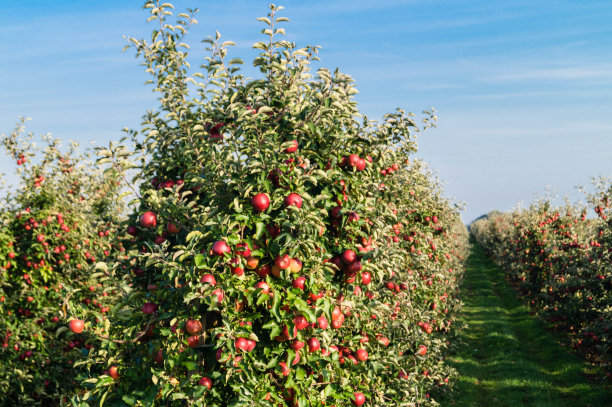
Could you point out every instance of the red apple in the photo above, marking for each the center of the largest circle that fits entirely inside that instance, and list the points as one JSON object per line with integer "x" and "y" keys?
{"x": 362, "y": 355}
{"x": 353, "y": 268}
{"x": 297, "y": 345}
{"x": 193, "y": 327}
{"x": 219, "y": 294}
{"x": 284, "y": 369}
{"x": 353, "y": 160}
{"x": 300, "y": 322}
{"x": 76, "y": 326}
{"x": 208, "y": 279}
{"x": 299, "y": 283}
{"x": 263, "y": 286}
{"x": 149, "y": 308}
{"x": 148, "y": 220}
{"x": 158, "y": 357}
{"x": 260, "y": 202}
{"x": 263, "y": 271}
{"x": 366, "y": 278}
{"x": 243, "y": 344}
{"x": 113, "y": 372}
{"x": 293, "y": 200}
{"x": 205, "y": 381}
{"x": 193, "y": 341}
{"x": 348, "y": 256}
{"x": 172, "y": 228}
{"x": 242, "y": 249}
{"x": 313, "y": 345}
{"x": 220, "y": 248}
{"x": 359, "y": 399}
{"x": 322, "y": 322}
{"x": 283, "y": 262}
{"x": 293, "y": 148}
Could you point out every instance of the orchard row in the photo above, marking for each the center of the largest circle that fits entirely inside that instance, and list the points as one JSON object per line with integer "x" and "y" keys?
{"x": 281, "y": 250}
{"x": 561, "y": 261}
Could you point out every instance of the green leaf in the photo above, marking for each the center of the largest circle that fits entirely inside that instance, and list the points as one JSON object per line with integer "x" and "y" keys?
{"x": 259, "y": 230}
{"x": 129, "y": 400}
{"x": 233, "y": 239}
{"x": 60, "y": 331}
{"x": 199, "y": 260}
{"x": 300, "y": 374}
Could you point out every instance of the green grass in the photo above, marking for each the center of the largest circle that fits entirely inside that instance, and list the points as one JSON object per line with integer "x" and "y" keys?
{"x": 507, "y": 357}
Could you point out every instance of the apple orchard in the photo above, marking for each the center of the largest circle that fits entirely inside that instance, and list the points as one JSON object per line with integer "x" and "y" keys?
{"x": 279, "y": 248}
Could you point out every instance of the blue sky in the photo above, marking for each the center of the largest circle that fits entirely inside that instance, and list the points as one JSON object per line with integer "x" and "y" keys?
{"x": 523, "y": 89}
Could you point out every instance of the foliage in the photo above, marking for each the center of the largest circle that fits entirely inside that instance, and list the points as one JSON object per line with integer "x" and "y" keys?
{"x": 59, "y": 220}
{"x": 560, "y": 259}
{"x": 279, "y": 235}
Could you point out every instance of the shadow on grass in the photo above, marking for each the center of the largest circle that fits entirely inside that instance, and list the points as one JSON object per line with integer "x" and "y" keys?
{"x": 507, "y": 357}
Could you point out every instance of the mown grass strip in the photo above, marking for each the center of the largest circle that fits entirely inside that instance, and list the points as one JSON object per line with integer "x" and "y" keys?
{"x": 507, "y": 358}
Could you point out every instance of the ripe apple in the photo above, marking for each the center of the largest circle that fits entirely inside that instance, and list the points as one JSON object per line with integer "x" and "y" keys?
{"x": 275, "y": 271}
{"x": 293, "y": 147}
{"x": 193, "y": 341}
{"x": 148, "y": 220}
{"x": 353, "y": 268}
{"x": 293, "y": 200}
{"x": 263, "y": 271}
{"x": 313, "y": 345}
{"x": 263, "y": 286}
{"x": 366, "y": 278}
{"x": 219, "y": 294}
{"x": 242, "y": 249}
{"x": 284, "y": 369}
{"x": 322, "y": 322}
{"x": 297, "y": 345}
{"x": 236, "y": 267}
{"x": 193, "y": 327}
{"x": 300, "y": 322}
{"x": 260, "y": 202}
{"x": 205, "y": 381}
{"x": 172, "y": 228}
{"x": 243, "y": 344}
{"x": 76, "y": 325}
{"x": 149, "y": 308}
{"x": 348, "y": 256}
{"x": 208, "y": 279}
{"x": 359, "y": 399}
{"x": 362, "y": 355}
{"x": 283, "y": 262}
{"x": 422, "y": 351}
{"x": 220, "y": 248}
{"x": 113, "y": 372}
{"x": 299, "y": 283}
{"x": 252, "y": 262}
{"x": 295, "y": 265}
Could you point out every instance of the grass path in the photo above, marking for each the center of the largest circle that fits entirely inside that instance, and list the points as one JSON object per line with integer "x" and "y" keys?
{"x": 507, "y": 358}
